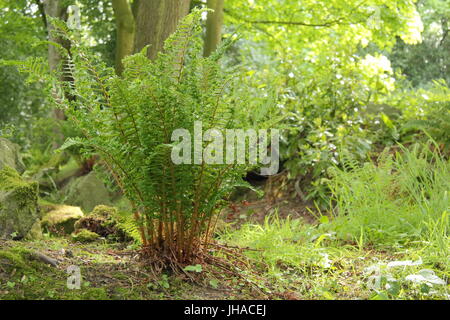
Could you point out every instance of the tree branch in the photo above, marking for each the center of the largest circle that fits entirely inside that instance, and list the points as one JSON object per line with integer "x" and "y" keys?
{"x": 42, "y": 11}
{"x": 297, "y": 23}
{"x": 277, "y": 22}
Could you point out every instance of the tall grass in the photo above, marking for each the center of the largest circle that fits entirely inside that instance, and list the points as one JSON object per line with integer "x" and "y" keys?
{"x": 403, "y": 198}
{"x": 280, "y": 243}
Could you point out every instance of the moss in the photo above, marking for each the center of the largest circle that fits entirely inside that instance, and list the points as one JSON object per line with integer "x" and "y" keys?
{"x": 95, "y": 294}
{"x": 104, "y": 211}
{"x": 61, "y": 219}
{"x": 104, "y": 221}
{"x": 10, "y": 180}
{"x": 103, "y": 277}
{"x": 16, "y": 259}
{"x": 84, "y": 236}
{"x": 19, "y": 209}
{"x": 35, "y": 232}
{"x": 10, "y": 156}
{"x": 7, "y": 176}
{"x": 10, "y": 260}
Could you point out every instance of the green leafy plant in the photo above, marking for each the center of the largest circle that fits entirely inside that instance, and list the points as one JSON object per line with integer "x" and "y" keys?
{"x": 128, "y": 122}
{"x": 426, "y": 111}
{"x": 197, "y": 268}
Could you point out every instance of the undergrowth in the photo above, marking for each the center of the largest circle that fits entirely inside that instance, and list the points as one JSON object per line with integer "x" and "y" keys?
{"x": 403, "y": 199}
{"x": 387, "y": 236}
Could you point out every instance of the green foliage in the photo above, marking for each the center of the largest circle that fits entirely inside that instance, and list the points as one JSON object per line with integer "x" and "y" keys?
{"x": 313, "y": 262}
{"x": 111, "y": 224}
{"x": 429, "y": 60}
{"x": 21, "y": 36}
{"x": 24, "y": 109}
{"x": 129, "y": 226}
{"x": 99, "y": 17}
{"x": 426, "y": 110}
{"x": 393, "y": 202}
{"x": 324, "y": 61}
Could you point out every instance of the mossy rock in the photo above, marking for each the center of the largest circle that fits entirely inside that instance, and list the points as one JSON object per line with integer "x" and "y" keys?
{"x": 19, "y": 209}
{"x": 104, "y": 221}
{"x": 10, "y": 156}
{"x": 20, "y": 260}
{"x": 15, "y": 259}
{"x": 87, "y": 192}
{"x": 61, "y": 219}
{"x": 35, "y": 232}
{"x": 84, "y": 236}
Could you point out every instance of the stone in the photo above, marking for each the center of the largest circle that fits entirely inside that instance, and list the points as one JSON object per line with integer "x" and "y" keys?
{"x": 10, "y": 156}
{"x": 19, "y": 208}
{"x": 35, "y": 232}
{"x": 87, "y": 192}
{"x": 105, "y": 221}
{"x": 61, "y": 219}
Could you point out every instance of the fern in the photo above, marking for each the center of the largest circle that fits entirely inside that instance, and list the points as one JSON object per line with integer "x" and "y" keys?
{"x": 128, "y": 225}
{"x": 35, "y": 67}
{"x": 128, "y": 122}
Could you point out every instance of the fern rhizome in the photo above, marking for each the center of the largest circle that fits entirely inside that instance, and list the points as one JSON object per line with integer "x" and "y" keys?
{"x": 128, "y": 121}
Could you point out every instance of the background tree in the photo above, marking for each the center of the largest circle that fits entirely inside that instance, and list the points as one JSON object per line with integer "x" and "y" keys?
{"x": 155, "y": 21}
{"x": 214, "y": 24}
{"x": 430, "y": 59}
{"x": 57, "y": 9}
{"x": 125, "y": 26}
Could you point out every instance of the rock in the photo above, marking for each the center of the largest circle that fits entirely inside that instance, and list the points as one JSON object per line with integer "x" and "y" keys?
{"x": 84, "y": 236}
{"x": 10, "y": 156}
{"x": 19, "y": 208}
{"x": 61, "y": 219}
{"x": 35, "y": 232}
{"x": 15, "y": 260}
{"x": 87, "y": 192}
{"x": 104, "y": 221}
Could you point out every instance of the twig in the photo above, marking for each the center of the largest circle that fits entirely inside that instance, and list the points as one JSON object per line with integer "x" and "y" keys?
{"x": 45, "y": 259}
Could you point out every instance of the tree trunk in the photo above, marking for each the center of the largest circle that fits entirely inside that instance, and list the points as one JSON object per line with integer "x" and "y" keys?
{"x": 156, "y": 20}
{"x": 214, "y": 24}
{"x": 125, "y": 31}
{"x": 56, "y": 9}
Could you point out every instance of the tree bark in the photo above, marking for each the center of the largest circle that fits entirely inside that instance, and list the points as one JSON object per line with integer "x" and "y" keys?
{"x": 156, "y": 20}
{"x": 214, "y": 25}
{"x": 56, "y": 9}
{"x": 125, "y": 31}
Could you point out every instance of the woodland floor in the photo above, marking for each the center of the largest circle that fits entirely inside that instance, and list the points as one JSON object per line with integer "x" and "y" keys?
{"x": 113, "y": 271}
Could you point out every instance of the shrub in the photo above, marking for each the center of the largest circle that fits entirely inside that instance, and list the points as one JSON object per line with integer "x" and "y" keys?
{"x": 427, "y": 110}
{"x": 128, "y": 122}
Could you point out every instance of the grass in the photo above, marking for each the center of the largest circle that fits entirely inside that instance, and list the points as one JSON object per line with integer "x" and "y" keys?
{"x": 403, "y": 201}
{"x": 396, "y": 201}
{"x": 388, "y": 236}
{"x": 301, "y": 261}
